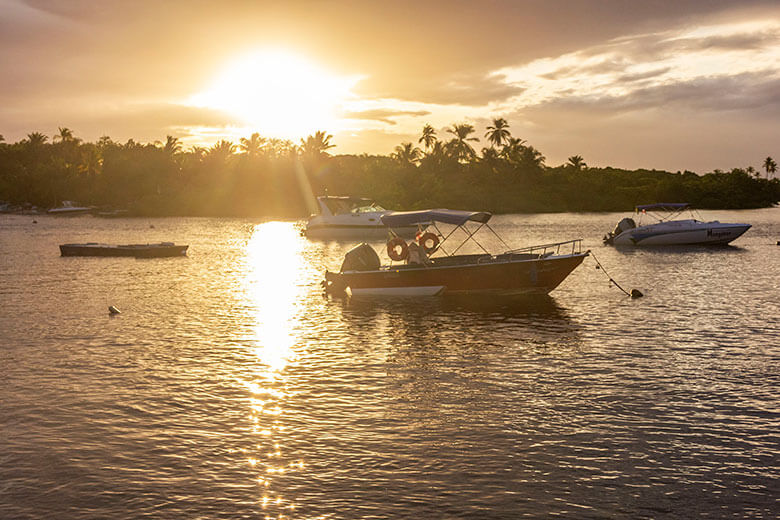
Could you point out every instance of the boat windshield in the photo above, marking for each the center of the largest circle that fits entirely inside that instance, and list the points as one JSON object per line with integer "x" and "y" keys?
{"x": 371, "y": 208}
{"x": 339, "y": 205}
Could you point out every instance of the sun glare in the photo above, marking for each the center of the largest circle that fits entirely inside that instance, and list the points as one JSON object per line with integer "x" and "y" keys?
{"x": 278, "y": 94}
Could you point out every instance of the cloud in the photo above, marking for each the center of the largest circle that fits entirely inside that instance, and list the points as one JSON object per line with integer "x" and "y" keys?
{"x": 711, "y": 94}
{"x": 384, "y": 115}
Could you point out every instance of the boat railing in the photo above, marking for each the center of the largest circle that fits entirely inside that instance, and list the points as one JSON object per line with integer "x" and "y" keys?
{"x": 571, "y": 247}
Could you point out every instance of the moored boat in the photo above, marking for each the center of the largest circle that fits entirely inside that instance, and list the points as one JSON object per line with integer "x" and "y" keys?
{"x": 351, "y": 218}
{"x": 424, "y": 269}
{"x": 70, "y": 209}
{"x": 163, "y": 249}
{"x": 667, "y": 230}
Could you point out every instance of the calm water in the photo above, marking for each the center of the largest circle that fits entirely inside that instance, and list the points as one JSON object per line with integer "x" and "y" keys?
{"x": 229, "y": 387}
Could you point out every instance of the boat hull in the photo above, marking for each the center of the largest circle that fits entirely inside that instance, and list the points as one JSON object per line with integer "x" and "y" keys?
{"x": 681, "y": 233}
{"x": 69, "y": 212}
{"x": 510, "y": 277}
{"x": 130, "y": 250}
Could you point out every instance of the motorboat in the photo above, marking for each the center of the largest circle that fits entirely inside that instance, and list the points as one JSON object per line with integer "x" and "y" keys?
{"x": 70, "y": 209}
{"x": 668, "y": 230}
{"x": 163, "y": 249}
{"x": 351, "y": 218}
{"x": 422, "y": 267}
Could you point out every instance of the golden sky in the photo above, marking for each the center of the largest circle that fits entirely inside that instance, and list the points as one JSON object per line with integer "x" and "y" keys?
{"x": 656, "y": 84}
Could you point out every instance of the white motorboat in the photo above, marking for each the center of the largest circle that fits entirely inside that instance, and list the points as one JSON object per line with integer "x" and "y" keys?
{"x": 667, "y": 230}
{"x": 347, "y": 218}
{"x": 69, "y": 208}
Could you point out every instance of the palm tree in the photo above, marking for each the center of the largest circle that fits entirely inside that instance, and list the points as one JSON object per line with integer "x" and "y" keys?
{"x": 497, "y": 133}
{"x": 105, "y": 141}
{"x": 428, "y": 137}
{"x": 222, "y": 149}
{"x": 315, "y": 146}
{"x": 407, "y": 154}
{"x": 65, "y": 135}
{"x": 278, "y": 148}
{"x": 532, "y": 157}
{"x": 36, "y": 139}
{"x": 577, "y": 162}
{"x": 490, "y": 157}
{"x": 513, "y": 146}
{"x": 252, "y": 146}
{"x": 172, "y": 145}
{"x": 524, "y": 156}
{"x": 459, "y": 145}
{"x": 91, "y": 160}
{"x": 770, "y": 166}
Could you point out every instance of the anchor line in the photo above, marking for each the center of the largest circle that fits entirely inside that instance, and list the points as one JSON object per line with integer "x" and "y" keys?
{"x": 607, "y": 275}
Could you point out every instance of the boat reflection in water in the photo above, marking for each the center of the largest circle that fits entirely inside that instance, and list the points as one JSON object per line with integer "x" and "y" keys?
{"x": 455, "y": 320}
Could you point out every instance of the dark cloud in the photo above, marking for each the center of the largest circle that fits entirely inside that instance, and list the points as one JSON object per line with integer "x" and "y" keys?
{"x": 641, "y": 76}
{"x": 455, "y": 90}
{"x": 741, "y": 41}
{"x": 384, "y": 115}
{"x": 754, "y": 91}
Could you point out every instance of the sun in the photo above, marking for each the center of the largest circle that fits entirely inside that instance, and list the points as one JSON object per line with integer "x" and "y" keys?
{"x": 278, "y": 93}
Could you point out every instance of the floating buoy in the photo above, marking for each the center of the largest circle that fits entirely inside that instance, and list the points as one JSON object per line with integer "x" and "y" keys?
{"x": 113, "y": 310}
{"x": 636, "y": 293}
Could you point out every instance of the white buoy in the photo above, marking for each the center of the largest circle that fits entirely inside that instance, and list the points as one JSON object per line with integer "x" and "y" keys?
{"x": 113, "y": 310}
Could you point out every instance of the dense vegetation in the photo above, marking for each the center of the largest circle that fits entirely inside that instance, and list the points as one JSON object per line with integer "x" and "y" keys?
{"x": 270, "y": 177}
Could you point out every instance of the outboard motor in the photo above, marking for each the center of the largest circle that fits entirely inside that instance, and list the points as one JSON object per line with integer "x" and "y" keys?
{"x": 361, "y": 258}
{"x": 624, "y": 225}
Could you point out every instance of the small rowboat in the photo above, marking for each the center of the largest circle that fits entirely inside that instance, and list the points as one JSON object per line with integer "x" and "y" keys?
{"x": 163, "y": 249}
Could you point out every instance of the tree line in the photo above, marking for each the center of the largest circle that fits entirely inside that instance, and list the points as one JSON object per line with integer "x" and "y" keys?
{"x": 261, "y": 176}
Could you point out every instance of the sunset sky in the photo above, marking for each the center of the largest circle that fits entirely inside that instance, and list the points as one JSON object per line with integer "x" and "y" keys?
{"x": 675, "y": 85}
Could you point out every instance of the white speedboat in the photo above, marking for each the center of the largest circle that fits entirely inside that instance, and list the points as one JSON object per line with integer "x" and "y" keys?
{"x": 69, "y": 208}
{"x": 666, "y": 231}
{"x": 348, "y": 218}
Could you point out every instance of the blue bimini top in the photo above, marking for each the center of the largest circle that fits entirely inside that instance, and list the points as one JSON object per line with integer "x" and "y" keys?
{"x": 448, "y": 216}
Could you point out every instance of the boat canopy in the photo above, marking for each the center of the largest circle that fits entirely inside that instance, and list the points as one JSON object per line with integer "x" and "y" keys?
{"x": 663, "y": 206}
{"x": 447, "y": 216}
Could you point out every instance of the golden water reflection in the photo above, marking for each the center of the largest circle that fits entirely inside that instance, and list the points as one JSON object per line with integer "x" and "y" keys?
{"x": 275, "y": 265}
{"x": 275, "y": 271}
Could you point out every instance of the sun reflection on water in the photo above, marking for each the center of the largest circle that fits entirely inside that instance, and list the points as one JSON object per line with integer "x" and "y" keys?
{"x": 274, "y": 270}
{"x": 275, "y": 262}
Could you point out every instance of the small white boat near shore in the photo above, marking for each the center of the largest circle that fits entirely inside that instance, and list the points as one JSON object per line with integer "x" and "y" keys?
{"x": 70, "y": 209}
{"x": 669, "y": 231}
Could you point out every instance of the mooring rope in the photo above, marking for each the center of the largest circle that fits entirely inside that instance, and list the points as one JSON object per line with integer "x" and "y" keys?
{"x": 635, "y": 293}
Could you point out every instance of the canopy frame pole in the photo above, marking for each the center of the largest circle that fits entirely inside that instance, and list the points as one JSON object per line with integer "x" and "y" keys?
{"x": 507, "y": 246}
{"x": 471, "y": 236}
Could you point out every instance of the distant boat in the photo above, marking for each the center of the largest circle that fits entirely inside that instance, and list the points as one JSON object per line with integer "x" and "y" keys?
{"x": 69, "y": 208}
{"x": 163, "y": 249}
{"x": 666, "y": 231}
{"x": 527, "y": 271}
{"x": 352, "y": 218}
